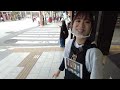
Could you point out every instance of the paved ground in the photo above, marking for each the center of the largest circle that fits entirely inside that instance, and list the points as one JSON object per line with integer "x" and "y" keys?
{"x": 47, "y": 35}
{"x": 15, "y": 26}
{"x": 116, "y": 37}
{"x": 32, "y": 37}
{"x": 31, "y": 53}
{"x": 30, "y": 63}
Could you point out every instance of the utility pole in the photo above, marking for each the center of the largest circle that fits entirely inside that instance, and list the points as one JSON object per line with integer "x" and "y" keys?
{"x": 41, "y": 18}
{"x": 25, "y": 14}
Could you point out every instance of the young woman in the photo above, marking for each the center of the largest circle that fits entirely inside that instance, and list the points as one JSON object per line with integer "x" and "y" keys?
{"x": 81, "y": 59}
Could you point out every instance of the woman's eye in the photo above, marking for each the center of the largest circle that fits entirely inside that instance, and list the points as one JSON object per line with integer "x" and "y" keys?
{"x": 77, "y": 20}
{"x": 87, "y": 21}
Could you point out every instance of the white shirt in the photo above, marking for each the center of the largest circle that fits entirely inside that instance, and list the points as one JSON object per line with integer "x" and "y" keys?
{"x": 93, "y": 60}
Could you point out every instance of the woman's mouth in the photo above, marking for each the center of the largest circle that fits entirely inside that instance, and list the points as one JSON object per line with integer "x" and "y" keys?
{"x": 81, "y": 30}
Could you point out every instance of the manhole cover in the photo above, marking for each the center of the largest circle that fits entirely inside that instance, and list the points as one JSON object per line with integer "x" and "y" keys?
{"x": 10, "y": 41}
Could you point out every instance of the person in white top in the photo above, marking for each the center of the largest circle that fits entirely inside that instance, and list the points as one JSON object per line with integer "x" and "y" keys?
{"x": 81, "y": 59}
{"x": 2, "y": 19}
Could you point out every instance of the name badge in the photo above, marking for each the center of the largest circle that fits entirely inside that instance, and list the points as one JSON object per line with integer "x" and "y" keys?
{"x": 74, "y": 67}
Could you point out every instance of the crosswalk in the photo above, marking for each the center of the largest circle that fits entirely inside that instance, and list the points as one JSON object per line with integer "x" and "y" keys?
{"x": 38, "y": 37}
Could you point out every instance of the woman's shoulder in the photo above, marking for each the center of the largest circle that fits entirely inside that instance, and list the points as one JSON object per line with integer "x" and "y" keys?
{"x": 94, "y": 51}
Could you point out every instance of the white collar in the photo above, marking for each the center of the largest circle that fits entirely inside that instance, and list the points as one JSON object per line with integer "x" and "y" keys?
{"x": 77, "y": 45}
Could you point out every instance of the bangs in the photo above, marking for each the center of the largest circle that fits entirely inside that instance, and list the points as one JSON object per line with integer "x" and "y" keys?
{"x": 84, "y": 14}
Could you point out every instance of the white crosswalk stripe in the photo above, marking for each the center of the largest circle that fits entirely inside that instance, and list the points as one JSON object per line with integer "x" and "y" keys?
{"x": 39, "y": 37}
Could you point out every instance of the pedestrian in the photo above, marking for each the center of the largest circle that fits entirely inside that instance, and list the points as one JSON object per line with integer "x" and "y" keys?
{"x": 82, "y": 59}
{"x": 63, "y": 34}
{"x": 2, "y": 18}
{"x": 68, "y": 21}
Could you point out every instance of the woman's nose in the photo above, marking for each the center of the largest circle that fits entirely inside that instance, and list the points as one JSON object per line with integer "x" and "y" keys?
{"x": 81, "y": 25}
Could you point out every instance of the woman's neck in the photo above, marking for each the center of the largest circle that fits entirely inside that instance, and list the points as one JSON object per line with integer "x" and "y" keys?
{"x": 80, "y": 40}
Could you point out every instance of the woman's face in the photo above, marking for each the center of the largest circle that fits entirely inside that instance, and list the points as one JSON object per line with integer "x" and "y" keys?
{"x": 81, "y": 26}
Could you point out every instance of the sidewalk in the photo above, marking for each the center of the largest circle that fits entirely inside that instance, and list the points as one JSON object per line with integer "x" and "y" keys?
{"x": 31, "y": 62}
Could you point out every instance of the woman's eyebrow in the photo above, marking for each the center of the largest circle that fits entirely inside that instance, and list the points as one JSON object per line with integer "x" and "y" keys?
{"x": 83, "y": 18}
{"x": 79, "y": 18}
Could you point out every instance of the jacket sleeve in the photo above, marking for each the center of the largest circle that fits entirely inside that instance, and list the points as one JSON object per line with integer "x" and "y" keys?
{"x": 62, "y": 66}
{"x": 94, "y": 63}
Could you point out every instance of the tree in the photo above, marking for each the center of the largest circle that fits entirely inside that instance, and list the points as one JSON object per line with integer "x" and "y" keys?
{"x": 14, "y": 15}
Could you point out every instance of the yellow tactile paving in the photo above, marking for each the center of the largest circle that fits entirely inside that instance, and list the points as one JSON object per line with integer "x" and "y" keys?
{"x": 27, "y": 59}
{"x": 30, "y": 61}
{"x": 115, "y": 47}
{"x": 37, "y": 49}
{"x": 27, "y": 68}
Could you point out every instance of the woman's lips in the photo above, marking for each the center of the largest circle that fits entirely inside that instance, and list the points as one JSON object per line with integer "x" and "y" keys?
{"x": 81, "y": 30}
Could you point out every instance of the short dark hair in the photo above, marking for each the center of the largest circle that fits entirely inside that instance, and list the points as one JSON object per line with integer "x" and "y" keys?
{"x": 84, "y": 13}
